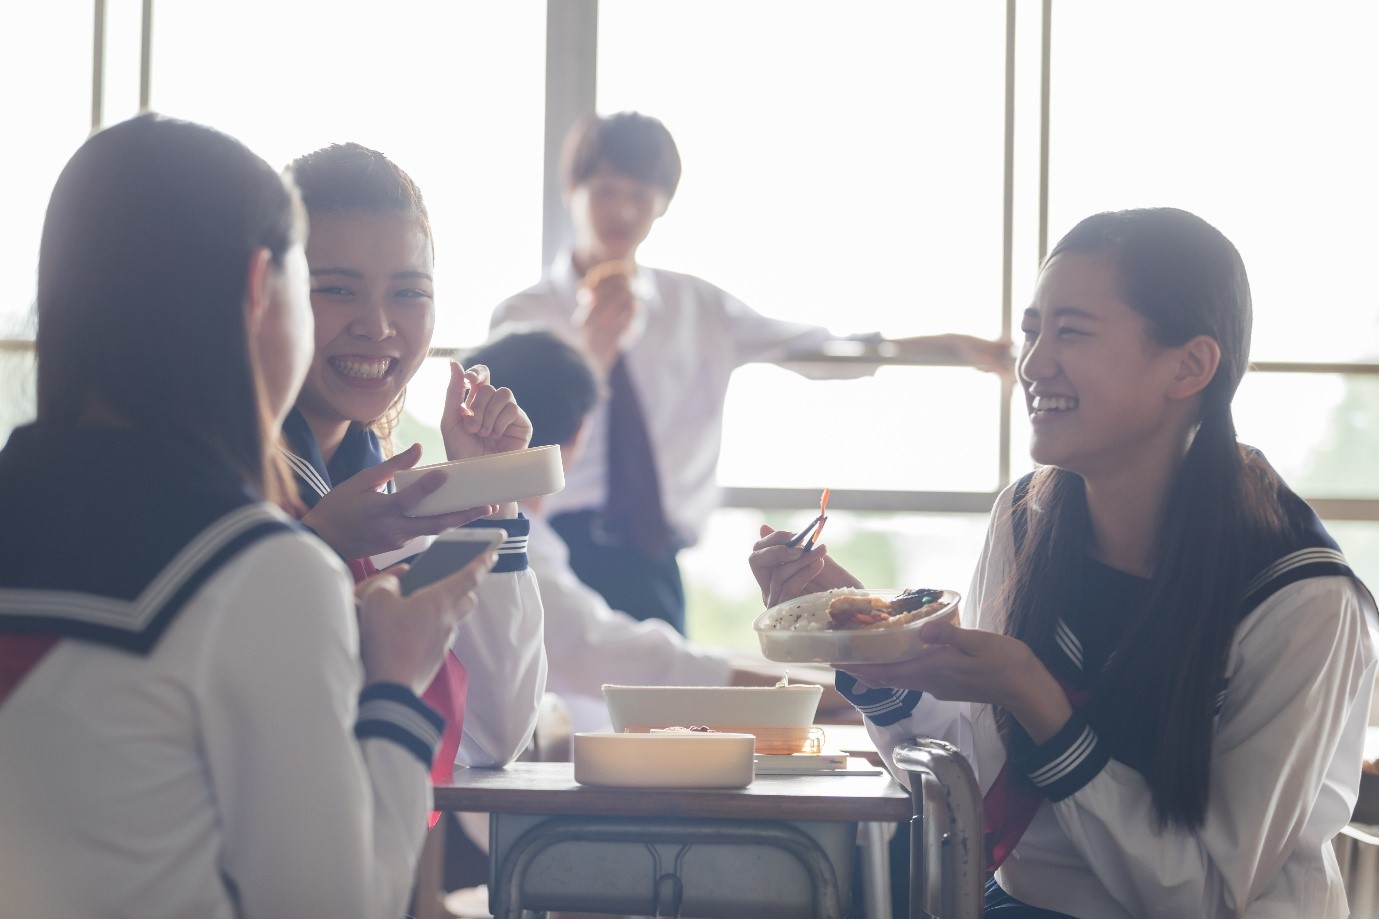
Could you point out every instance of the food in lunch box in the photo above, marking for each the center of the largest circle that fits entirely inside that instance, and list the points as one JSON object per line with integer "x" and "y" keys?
{"x": 866, "y": 612}
{"x": 850, "y": 609}
{"x": 692, "y": 729}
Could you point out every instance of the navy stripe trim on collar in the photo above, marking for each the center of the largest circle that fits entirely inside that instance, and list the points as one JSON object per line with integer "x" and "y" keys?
{"x": 306, "y": 473}
{"x": 1311, "y": 562}
{"x": 136, "y": 626}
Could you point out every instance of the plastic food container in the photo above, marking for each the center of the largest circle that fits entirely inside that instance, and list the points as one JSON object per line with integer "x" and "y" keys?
{"x": 789, "y": 633}
{"x": 494, "y": 479}
{"x": 664, "y": 760}
{"x": 722, "y": 708}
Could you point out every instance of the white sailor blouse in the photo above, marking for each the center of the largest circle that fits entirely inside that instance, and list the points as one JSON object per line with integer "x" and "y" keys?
{"x": 500, "y": 644}
{"x": 184, "y": 732}
{"x": 1285, "y": 761}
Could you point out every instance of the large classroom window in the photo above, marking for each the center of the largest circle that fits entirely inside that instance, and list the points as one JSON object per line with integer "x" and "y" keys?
{"x": 845, "y": 164}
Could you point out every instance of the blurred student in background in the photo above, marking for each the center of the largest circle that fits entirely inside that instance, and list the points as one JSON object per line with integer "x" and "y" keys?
{"x": 588, "y": 643}
{"x": 665, "y": 344}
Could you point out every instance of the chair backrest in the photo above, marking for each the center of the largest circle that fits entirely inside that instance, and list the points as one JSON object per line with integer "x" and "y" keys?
{"x": 947, "y": 854}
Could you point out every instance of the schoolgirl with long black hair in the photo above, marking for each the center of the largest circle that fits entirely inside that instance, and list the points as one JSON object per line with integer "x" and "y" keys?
{"x": 1164, "y": 668}
{"x": 198, "y": 714}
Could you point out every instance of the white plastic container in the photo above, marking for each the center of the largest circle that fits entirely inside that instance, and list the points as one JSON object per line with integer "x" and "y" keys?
{"x": 722, "y": 708}
{"x": 786, "y": 636}
{"x": 664, "y": 760}
{"x": 494, "y": 479}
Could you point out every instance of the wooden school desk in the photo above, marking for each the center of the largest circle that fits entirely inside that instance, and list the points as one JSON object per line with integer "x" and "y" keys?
{"x": 782, "y": 846}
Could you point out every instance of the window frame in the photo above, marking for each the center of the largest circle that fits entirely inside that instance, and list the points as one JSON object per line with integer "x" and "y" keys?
{"x": 571, "y": 67}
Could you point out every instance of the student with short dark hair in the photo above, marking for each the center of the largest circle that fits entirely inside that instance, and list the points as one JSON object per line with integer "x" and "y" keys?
{"x": 588, "y": 643}
{"x": 666, "y": 345}
{"x": 1164, "y": 669}
{"x": 199, "y": 716}
{"x": 371, "y": 255}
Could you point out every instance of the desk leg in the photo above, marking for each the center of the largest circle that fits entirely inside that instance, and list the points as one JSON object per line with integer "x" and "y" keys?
{"x": 876, "y": 870}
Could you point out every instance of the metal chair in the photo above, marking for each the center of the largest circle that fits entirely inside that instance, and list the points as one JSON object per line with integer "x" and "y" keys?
{"x": 947, "y": 858}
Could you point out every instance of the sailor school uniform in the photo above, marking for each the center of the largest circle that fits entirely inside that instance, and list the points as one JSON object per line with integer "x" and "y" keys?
{"x": 1290, "y": 730}
{"x": 496, "y": 670}
{"x": 182, "y": 731}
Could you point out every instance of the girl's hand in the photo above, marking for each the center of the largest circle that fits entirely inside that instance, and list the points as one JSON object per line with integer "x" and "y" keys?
{"x": 971, "y": 665}
{"x": 480, "y": 419}
{"x": 404, "y": 639}
{"x": 785, "y": 572}
{"x": 357, "y": 520}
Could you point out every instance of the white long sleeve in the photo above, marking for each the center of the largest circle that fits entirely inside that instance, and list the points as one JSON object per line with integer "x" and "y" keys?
{"x": 504, "y": 655}
{"x": 693, "y": 336}
{"x": 313, "y": 824}
{"x": 1284, "y": 769}
{"x": 588, "y": 643}
{"x": 219, "y": 775}
{"x": 1299, "y": 694}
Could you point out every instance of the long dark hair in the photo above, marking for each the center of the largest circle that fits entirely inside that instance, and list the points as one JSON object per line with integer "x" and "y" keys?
{"x": 1186, "y": 279}
{"x": 342, "y": 178}
{"x": 142, "y": 274}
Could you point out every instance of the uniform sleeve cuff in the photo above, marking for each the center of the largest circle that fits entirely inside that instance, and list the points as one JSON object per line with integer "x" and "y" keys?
{"x": 882, "y": 707}
{"x": 393, "y": 712}
{"x": 1066, "y": 761}
{"x": 512, "y": 553}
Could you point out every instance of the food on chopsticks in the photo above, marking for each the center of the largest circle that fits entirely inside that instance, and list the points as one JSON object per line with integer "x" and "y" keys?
{"x": 845, "y": 609}
{"x": 814, "y": 528}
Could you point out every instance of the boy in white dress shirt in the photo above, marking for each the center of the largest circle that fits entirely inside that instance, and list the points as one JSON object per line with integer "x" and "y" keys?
{"x": 666, "y": 344}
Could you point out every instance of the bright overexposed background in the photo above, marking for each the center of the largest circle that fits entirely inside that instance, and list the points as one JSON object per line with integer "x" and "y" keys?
{"x": 843, "y": 166}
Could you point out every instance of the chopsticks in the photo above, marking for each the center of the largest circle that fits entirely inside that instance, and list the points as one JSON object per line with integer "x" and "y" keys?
{"x": 813, "y": 528}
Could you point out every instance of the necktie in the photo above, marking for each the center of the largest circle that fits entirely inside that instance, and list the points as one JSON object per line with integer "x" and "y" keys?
{"x": 1011, "y": 801}
{"x": 634, "y": 488}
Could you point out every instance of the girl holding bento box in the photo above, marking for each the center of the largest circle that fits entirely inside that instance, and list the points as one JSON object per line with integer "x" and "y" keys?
{"x": 370, "y": 254}
{"x": 1163, "y": 673}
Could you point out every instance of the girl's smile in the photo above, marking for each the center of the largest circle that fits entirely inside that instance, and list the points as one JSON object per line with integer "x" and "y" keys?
{"x": 372, "y": 296}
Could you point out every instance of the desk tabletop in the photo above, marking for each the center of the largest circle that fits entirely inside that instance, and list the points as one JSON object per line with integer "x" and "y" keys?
{"x": 550, "y": 788}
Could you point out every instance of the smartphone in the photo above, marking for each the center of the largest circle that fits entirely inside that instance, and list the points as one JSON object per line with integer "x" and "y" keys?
{"x": 451, "y": 551}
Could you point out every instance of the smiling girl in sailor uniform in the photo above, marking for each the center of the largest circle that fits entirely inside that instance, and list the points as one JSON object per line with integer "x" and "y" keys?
{"x": 182, "y": 726}
{"x": 370, "y": 255}
{"x": 1164, "y": 668}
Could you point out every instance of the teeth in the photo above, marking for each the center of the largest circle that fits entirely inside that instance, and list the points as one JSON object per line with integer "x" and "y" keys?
{"x": 363, "y": 370}
{"x": 1054, "y": 403}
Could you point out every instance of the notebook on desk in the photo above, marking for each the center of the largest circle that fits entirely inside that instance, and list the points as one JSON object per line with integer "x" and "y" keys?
{"x": 823, "y": 763}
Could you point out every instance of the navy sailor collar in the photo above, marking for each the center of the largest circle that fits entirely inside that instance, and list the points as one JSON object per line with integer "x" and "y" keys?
{"x": 361, "y": 449}
{"x": 108, "y": 532}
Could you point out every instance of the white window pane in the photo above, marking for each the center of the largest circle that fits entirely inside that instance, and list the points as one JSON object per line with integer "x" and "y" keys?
{"x": 842, "y": 162}
{"x": 908, "y": 428}
{"x": 1321, "y": 432}
{"x": 842, "y": 166}
{"x": 17, "y": 390}
{"x": 1359, "y": 540}
{"x": 45, "y": 69}
{"x": 1258, "y": 117}
{"x": 452, "y": 92}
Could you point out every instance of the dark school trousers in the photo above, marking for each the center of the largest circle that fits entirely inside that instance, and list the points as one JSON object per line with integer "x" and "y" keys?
{"x": 642, "y": 587}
